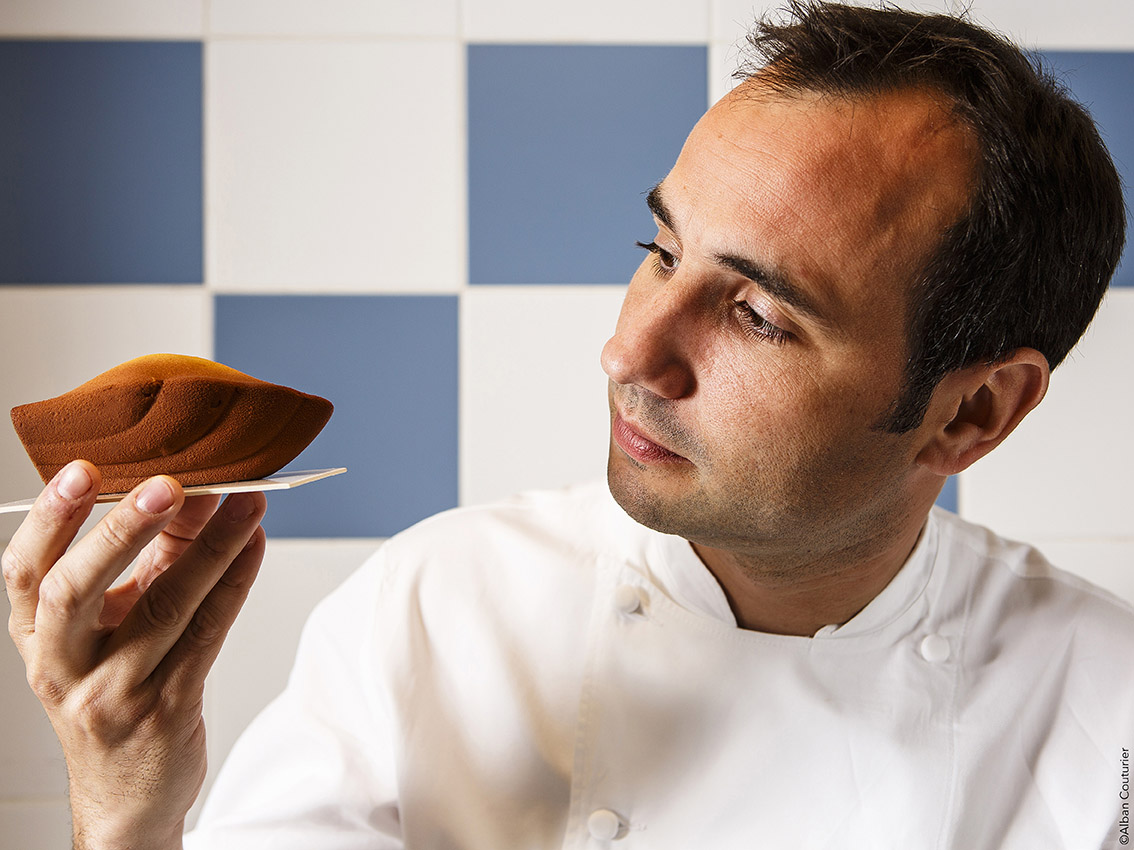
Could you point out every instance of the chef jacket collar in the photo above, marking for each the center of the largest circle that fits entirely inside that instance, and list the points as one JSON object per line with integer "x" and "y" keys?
{"x": 687, "y": 581}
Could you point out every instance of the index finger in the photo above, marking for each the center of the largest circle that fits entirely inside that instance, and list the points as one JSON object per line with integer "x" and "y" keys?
{"x": 43, "y": 537}
{"x": 71, "y": 595}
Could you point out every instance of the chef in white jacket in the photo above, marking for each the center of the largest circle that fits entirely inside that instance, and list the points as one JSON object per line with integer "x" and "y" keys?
{"x": 758, "y": 632}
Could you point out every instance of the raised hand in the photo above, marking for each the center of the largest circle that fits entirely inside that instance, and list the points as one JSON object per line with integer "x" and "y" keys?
{"x": 121, "y": 671}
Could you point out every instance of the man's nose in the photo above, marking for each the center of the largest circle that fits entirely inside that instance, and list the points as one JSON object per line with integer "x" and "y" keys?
{"x": 651, "y": 346}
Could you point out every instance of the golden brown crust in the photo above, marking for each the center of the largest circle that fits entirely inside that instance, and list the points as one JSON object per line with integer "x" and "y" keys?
{"x": 198, "y": 421}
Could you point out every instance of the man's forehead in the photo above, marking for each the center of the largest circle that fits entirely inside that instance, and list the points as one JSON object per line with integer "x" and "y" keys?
{"x": 890, "y": 155}
{"x": 898, "y": 128}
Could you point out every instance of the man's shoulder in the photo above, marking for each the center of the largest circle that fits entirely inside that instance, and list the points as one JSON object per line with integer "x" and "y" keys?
{"x": 1009, "y": 583}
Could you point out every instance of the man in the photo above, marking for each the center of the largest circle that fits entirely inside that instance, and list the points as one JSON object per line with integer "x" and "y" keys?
{"x": 867, "y": 258}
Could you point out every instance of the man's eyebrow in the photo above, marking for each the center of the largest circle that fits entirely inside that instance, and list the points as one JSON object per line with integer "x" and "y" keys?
{"x": 657, "y": 206}
{"x": 770, "y": 280}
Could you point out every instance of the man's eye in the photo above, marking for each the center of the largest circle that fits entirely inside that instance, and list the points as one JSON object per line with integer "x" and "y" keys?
{"x": 664, "y": 262}
{"x": 757, "y": 326}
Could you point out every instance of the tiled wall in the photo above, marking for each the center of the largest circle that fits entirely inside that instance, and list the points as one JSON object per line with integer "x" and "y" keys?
{"x": 424, "y": 211}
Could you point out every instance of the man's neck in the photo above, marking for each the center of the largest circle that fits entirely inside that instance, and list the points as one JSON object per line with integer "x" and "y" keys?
{"x": 803, "y": 601}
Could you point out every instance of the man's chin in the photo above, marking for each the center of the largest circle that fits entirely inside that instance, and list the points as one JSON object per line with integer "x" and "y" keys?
{"x": 643, "y": 504}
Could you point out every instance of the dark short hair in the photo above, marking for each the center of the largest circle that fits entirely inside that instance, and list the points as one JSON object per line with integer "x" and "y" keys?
{"x": 1031, "y": 257}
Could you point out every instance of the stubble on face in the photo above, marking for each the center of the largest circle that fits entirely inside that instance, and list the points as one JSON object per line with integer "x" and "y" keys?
{"x": 786, "y": 514}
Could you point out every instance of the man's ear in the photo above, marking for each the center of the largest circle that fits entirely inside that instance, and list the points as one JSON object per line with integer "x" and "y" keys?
{"x": 974, "y": 409}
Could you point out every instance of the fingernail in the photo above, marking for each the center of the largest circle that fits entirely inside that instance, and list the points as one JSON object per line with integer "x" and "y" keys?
{"x": 155, "y": 498}
{"x": 238, "y": 506}
{"x": 73, "y": 482}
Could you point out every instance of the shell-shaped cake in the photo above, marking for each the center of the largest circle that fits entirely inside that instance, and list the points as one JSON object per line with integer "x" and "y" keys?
{"x": 198, "y": 421}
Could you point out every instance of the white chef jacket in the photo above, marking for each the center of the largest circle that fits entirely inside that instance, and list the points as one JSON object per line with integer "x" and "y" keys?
{"x": 547, "y": 673}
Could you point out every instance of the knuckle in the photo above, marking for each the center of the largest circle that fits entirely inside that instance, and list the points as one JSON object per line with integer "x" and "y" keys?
{"x": 212, "y": 550}
{"x": 239, "y": 586}
{"x": 206, "y": 628}
{"x": 157, "y": 712}
{"x": 115, "y": 532}
{"x": 160, "y": 607}
{"x": 17, "y": 632}
{"x": 112, "y": 715}
{"x": 181, "y": 699}
{"x": 47, "y": 515}
{"x": 48, "y": 688}
{"x": 161, "y": 550}
{"x": 17, "y": 574}
{"x": 58, "y": 598}
{"x": 101, "y": 715}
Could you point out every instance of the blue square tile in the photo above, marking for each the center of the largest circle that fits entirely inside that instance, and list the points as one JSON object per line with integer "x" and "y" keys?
{"x": 948, "y": 498}
{"x": 100, "y": 162}
{"x": 564, "y": 141}
{"x": 1104, "y": 83}
{"x": 389, "y": 365}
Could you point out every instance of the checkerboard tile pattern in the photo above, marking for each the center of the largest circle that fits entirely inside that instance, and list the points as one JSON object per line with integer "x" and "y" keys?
{"x": 323, "y": 179}
{"x": 424, "y": 211}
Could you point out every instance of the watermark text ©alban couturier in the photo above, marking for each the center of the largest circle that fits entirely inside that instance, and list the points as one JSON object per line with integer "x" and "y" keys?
{"x": 1124, "y": 796}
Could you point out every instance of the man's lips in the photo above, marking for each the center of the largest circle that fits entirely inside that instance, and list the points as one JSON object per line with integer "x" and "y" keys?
{"x": 638, "y": 446}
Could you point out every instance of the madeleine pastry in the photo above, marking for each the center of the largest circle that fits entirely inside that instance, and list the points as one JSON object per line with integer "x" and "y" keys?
{"x": 198, "y": 421}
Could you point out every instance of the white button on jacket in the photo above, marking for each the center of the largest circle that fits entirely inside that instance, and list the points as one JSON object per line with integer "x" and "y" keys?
{"x": 480, "y": 684}
{"x": 604, "y": 825}
{"x": 627, "y": 599}
{"x": 935, "y": 649}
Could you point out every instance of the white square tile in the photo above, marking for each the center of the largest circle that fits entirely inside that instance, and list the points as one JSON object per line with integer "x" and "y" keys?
{"x": 1107, "y": 563}
{"x": 335, "y": 166}
{"x": 61, "y": 337}
{"x": 334, "y": 17}
{"x": 588, "y": 21}
{"x": 533, "y": 395}
{"x": 105, "y": 18}
{"x": 731, "y": 19}
{"x": 257, "y": 656}
{"x": 1089, "y": 25}
{"x": 38, "y": 825}
{"x": 1066, "y": 471}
